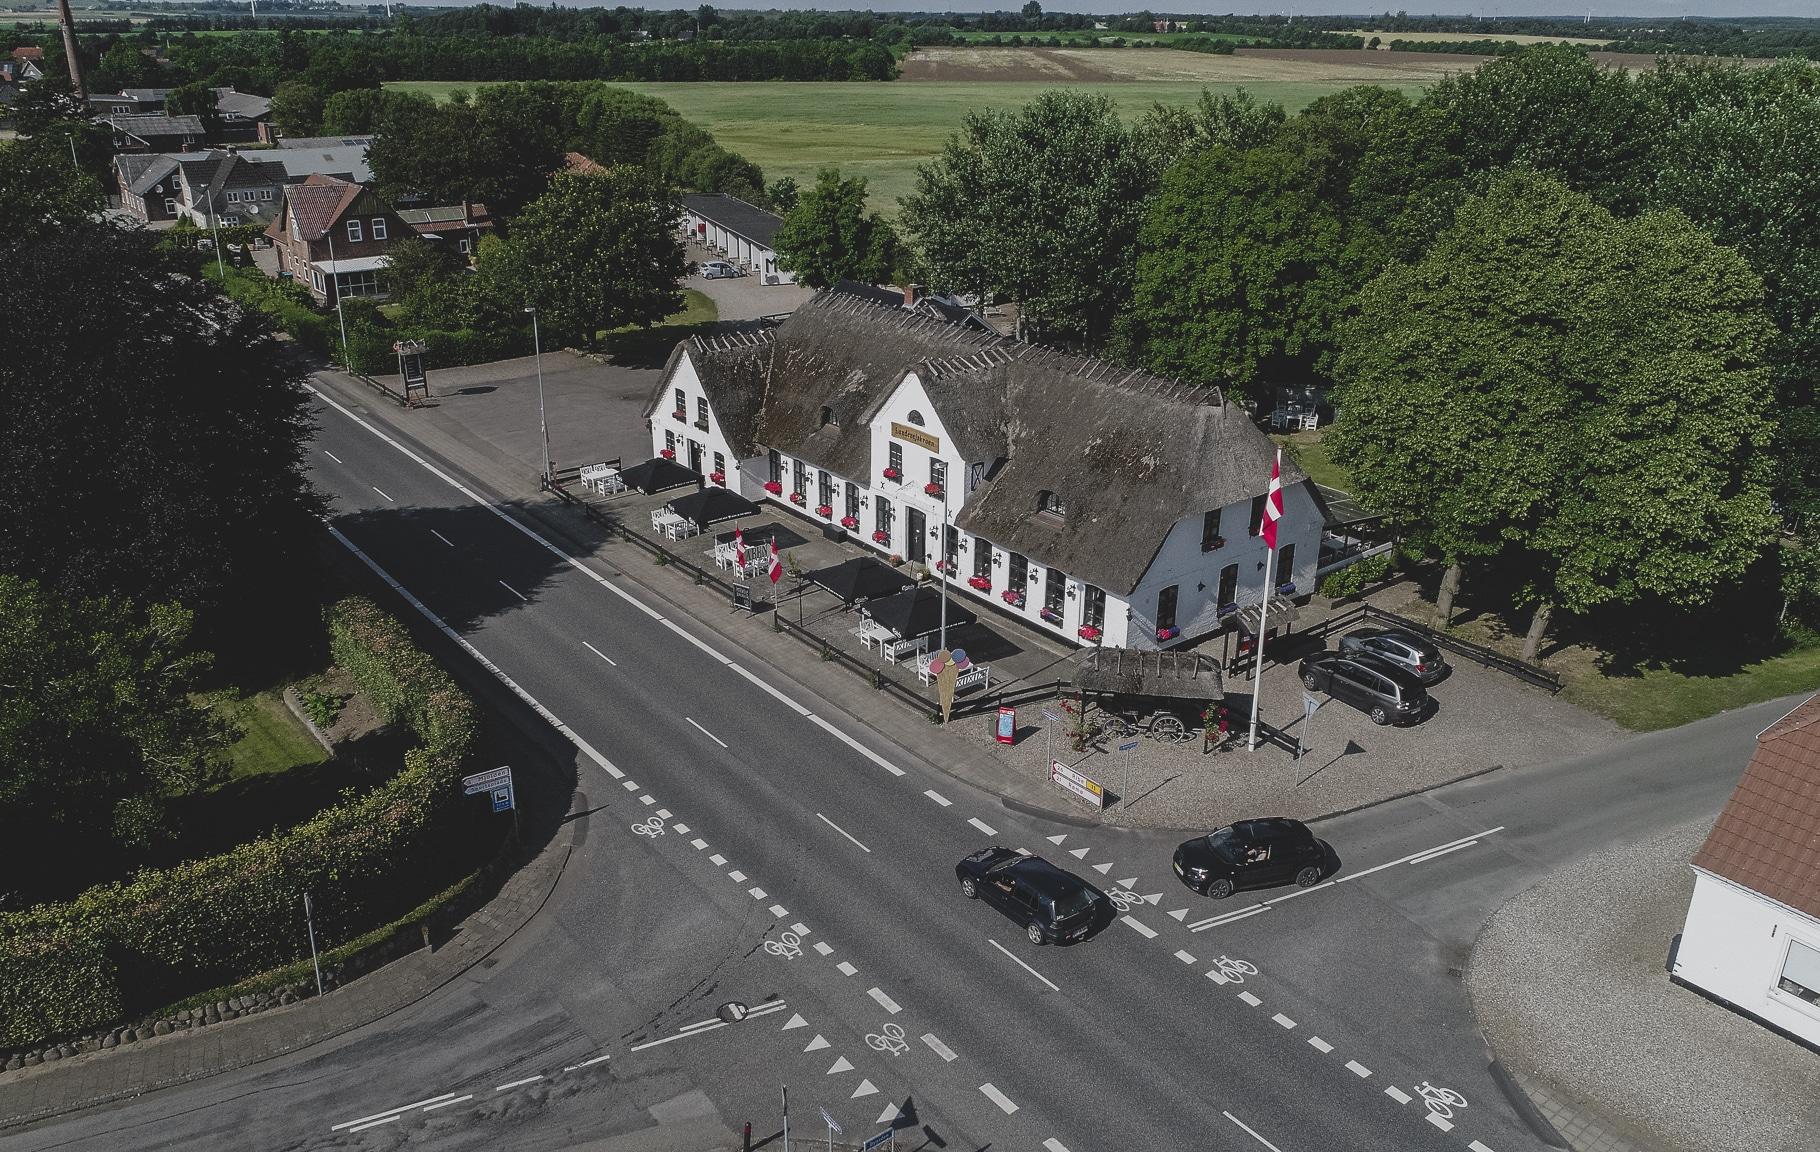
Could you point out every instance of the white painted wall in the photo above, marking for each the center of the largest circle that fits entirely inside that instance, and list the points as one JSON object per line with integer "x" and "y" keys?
{"x": 754, "y": 257}
{"x": 741, "y": 475}
{"x": 1734, "y": 945}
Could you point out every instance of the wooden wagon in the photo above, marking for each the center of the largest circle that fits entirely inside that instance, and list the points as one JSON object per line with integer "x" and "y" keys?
{"x": 1162, "y": 695}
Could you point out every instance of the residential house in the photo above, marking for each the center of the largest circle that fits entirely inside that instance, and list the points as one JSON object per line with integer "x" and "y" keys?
{"x": 341, "y": 156}
{"x": 23, "y": 65}
{"x": 155, "y": 133}
{"x": 128, "y": 102}
{"x": 1752, "y": 936}
{"x": 332, "y": 236}
{"x": 1098, "y": 504}
{"x": 209, "y": 187}
{"x": 244, "y": 117}
{"x": 739, "y": 231}
{"x": 461, "y": 225}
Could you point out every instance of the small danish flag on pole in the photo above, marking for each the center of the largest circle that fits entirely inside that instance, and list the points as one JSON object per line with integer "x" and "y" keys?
{"x": 1273, "y": 503}
{"x": 776, "y": 571}
{"x": 739, "y": 550}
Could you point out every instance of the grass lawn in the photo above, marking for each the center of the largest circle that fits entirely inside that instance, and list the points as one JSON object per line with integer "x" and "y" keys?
{"x": 1658, "y": 698}
{"x": 272, "y": 740}
{"x": 1083, "y": 35}
{"x": 1311, "y": 455}
{"x": 633, "y": 345}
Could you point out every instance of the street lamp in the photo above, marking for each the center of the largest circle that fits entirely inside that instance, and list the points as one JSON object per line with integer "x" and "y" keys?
{"x": 220, "y": 268}
{"x": 542, "y": 423}
{"x": 335, "y": 282}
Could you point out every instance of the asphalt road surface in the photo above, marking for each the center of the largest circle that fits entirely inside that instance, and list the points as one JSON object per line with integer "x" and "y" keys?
{"x": 745, "y": 844}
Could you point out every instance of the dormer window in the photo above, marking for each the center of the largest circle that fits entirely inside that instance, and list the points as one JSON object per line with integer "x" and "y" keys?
{"x": 827, "y": 416}
{"x": 915, "y": 418}
{"x": 1049, "y": 504}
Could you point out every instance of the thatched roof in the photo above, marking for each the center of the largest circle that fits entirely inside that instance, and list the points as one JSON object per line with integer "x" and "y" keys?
{"x": 1130, "y": 672}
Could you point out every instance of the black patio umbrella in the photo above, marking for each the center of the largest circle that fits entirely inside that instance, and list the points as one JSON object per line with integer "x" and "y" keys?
{"x": 657, "y": 474}
{"x": 917, "y": 612}
{"x": 861, "y": 578}
{"x": 712, "y": 505}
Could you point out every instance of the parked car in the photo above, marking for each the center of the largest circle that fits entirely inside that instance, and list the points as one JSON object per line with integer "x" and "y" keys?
{"x": 720, "y": 270}
{"x": 1251, "y": 854}
{"x": 1375, "y": 686}
{"x": 1050, "y": 904}
{"x": 1407, "y": 650}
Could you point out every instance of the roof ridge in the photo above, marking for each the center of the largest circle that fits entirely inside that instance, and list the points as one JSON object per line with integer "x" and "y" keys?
{"x": 1792, "y": 721}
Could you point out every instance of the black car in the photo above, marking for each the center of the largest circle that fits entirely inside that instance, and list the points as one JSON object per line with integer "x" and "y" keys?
{"x": 1376, "y": 687}
{"x": 1251, "y": 854}
{"x": 1407, "y": 650}
{"x": 1049, "y": 904}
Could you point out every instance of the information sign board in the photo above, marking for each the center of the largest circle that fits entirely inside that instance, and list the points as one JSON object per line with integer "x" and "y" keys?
{"x": 888, "y": 1136}
{"x": 486, "y": 781}
{"x": 1085, "y": 787}
{"x": 1006, "y": 731}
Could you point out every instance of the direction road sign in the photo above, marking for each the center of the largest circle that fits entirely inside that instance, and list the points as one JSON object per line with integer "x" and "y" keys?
{"x": 831, "y": 1122}
{"x": 1128, "y": 746}
{"x": 486, "y": 781}
{"x": 888, "y": 1135}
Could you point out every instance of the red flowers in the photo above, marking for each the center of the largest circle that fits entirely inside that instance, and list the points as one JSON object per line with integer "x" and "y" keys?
{"x": 849, "y": 521}
{"x": 680, "y": 416}
{"x": 774, "y": 487}
{"x": 1088, "y": 632}
{"x": 881, "y": 537}
{"x": 719, "y": 478}
{"x": 892, "y": 474}
{"x": 668, "y": 453}
{"x": 1013, "y": 597}
{"x": 932, "y": 489}
{"x": 826, "y": 511}
{"x": 798, "y": 499}
{"x": 983, "y": 583}
{"x": 1163, "y": 634}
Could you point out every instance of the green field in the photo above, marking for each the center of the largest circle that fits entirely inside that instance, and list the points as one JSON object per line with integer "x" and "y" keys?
{"x": 883, "y": 131}
{"x": 1084, "y": 35}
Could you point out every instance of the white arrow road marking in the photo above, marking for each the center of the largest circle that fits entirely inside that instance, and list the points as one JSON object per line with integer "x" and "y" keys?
{"x": 1154, "y": 899}
{"x": 865, "y": 1089}
{"x": 889, "y": 1115}
{"x": 796, "y": 1021}
{"x": 817, "y": 1044}
{"x": 841, "y": 1065}
{"x": 1179, "y": 914}
{"x": 1102, "y": 869}
{"x": 1130, "y": 884}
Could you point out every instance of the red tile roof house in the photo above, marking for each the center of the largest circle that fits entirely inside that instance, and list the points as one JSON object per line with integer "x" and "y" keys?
{"x": 1752, "y": 938}
{"x": 332, "y": 236}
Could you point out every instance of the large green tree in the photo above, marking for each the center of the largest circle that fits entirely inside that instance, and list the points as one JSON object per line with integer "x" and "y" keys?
{"x": 1579, "y": 396}
{"x": 297, "y": 108}
{"x": 598, "y": 251}
{"x": 196, "y": 99}
{"x": 495, "y": 150}
{"x": 41, "y": 192}
{"x": 830, "y": 236}
{"x": 1041, "y": 206}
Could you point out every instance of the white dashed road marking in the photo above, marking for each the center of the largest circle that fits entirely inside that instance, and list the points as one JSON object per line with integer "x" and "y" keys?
{"x": 1054, "y": 1145}
{"x": 1024, "y": 966}
{"x": 1250, "y": 1131}
{"x": 600, "y": 654}
{"x": 937, "y": 1047}
{"x": 514, "y": 591}
{"x": 375, "y": 1124}
{"x": 999, "y": 1098}
{"x": 705, "y": 732}
{"x": 331, "y": 455}
{"x": 1478, "y": 1147}
{"x": 1319, "y": 1045}
{"x": 389, "y": 500}
{"x": 821, "y": 946}
{"x": 1441, "y": 1122}
{"x": 884, "y": 1001}
{"x": 587, "y": 1063}
{"x": 470, "y": 1096}
{"x": 938, "y": 797}
{"x": 842, "y": 831}
{"x": 1283, "y": 1020}
{"x": 757, "y": 894}
{"x": 1250, "y": 999}
{"x": 846, "y": 969}
{"x": 717, "y": 859}
{"x": 1442, "y": 852}
{"x": 982, "y": 825}
{"x": 1397, "y": 1094}
{"x": 442, "y": 538}
{"x": 390, "y": 1111}
{"x": 519, "y": 1083}
{"x": 1143, "y": 929}
{"x": 737, "y": 876}
{"x": 1357, "y": 1069}
{"x": 1185, "y": 958}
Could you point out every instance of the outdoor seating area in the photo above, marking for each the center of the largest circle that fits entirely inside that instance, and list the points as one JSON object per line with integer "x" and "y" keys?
{"x": 603, "y": 479}
{"x": 671, "y": 525}
{"x": 1294, "y": 418}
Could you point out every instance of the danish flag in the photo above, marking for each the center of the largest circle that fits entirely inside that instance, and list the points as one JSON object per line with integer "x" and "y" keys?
{"x": 739, "y": 549}
{"x": 1273, "y": 502}
{"x": 776, "y": 571}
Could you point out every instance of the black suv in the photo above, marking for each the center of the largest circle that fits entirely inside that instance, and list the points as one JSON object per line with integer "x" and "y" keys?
{"x": 1373, "y": 685}
{"x": 1251, "y": 854}
{"x": 1050, "y": 904}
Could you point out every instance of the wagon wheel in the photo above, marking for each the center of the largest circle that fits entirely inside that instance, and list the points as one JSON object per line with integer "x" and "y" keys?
{"x": 1166, "y": 727}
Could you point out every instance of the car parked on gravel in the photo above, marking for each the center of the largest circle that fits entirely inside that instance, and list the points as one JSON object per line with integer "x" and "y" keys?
{"x": 1407, "y": 650}
{"x": 1382, "y": 690}
{"x": 1051, "y": 905}
{"x": 1251, "y": 854}
{"x": 720, "y": 270}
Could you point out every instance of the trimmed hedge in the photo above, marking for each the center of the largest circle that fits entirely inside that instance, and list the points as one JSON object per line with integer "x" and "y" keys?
{"x": 1355, "y": 578}
{"x": 208, "y": 922}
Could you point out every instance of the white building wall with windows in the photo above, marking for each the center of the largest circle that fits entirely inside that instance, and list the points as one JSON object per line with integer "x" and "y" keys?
{"x": 1754, "y": 953}
{"x": 667, "y": 432}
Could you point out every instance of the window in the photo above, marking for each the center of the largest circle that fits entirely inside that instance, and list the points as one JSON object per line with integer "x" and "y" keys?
{"x": 296, "y": 232}
{"x": 951, "y": 552}
{"x": 379, "y": 228}
{"x": 827, "y": 416}
{"x": 358, "y": 283}
{"x": 938, "y": 473}
{"x": 1054, "y": 584}
{"x": 1020, "y": 574}
{"x": 1229, "y": 585}
{"x": 894, "y": 455}
{"x": 976, "y": 475}
{"x": 853, "y": 499}
{"x": 1210, "y": 530}
{"x": 824, "y": 491}
{"x": 1165, "y": 608}
{"x": 982, "y": 560}
{"x": 800, "y": 478}
{"x": 881, "y": 513}
{"x": 701, "y": 413}
{"x": 720, "y": 463}
{"x": 1801, "y": 972}
{"x": 465, "y": 245}
{"x": 170, "y": 205}
{"x": 775, "y": 472}
{"x": 669, "y": 441}
{"x": 1257, "y": 514}
{"x": 354, "y": 232}
{"x": 915, "y": 418}
{"x": 265, "y": 193}
{"x": 1093, "y": 610}
{"x": 682, "y": 402}
{"x": 316, "y": 278}
{"x": 1051, "y": 504}
{"x": 1285, "y": 565}
{"x": 230, "y": 220}
{"x": 233, "y": 197}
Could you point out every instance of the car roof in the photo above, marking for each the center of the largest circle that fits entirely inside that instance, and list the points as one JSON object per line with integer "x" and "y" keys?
{"x": 1395, "y": 671}
{"x": 1046, "y": 878}
{"x": 1400, "y": 635}
{"x": 1273, "y": 828}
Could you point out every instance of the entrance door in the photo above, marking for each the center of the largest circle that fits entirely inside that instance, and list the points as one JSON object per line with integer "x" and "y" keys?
{"x": 695, "y": 451}
{"x": 916, "y": 536}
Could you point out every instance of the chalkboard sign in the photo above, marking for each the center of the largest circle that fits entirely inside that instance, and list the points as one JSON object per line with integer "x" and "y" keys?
{"x": 1007, "y": 726}
{"x": 742, "y": 596}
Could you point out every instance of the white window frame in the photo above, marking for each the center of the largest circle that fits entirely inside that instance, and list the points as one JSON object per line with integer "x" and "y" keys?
{"x": 316, "y": 279}
{"x": 1789, "y": 998}
{"x": 379, "y": 228}
{"x": 170, "y": 205}
{"x": 465, "y": 245}
{"x": 355, "y": 233}
{"x": 265, "y": 193}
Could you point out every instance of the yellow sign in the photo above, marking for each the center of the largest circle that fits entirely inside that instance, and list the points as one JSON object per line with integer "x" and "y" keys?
{"x": 916, "y": 436}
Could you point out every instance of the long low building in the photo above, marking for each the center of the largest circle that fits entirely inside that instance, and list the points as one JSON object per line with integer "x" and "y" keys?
{"x": 1103, "y": 505}
{"x": 741, "y": 232}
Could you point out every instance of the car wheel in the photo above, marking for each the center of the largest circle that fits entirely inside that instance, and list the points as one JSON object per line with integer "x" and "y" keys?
{"x": 1035, "y": 932}
{"x": 1312, "y": 681}
{"x": 1217, "y": 889}
{"x": 969, "y": 889}
{"x": 1308, "y": 877}
{"x": 1379, "y": 715}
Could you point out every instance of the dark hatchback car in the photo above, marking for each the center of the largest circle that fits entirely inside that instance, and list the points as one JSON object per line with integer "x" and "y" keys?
{"x": 1052, "y": 906}
{"x": 1251, "y": 854}
{"x": 1412, "y": 653}
{"x": 1376, "y": 687}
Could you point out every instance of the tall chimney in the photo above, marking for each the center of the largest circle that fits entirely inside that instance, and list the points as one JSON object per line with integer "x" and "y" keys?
{"x": 69, "y": 49}
{"x": 910, "y": 295}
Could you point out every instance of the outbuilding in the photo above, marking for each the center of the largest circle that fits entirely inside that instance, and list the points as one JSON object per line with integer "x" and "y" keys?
{"x": 741, "y": 232}
{"x": 1752, "y": 937}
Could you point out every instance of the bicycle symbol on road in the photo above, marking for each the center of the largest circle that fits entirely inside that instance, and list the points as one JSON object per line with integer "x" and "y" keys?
{"x": 788, "y": 946}
{"x": 891, "y": 1043}
{"x": 1440, "y": 1101}
{"x": 1234, "y": 971}
{"x": 1125, "y": 900}
{"x": 654, "y": 827}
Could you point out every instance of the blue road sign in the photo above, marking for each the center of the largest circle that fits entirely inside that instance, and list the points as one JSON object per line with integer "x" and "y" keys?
{"x": 1128, "y": 746}
{"x": 876, "y": 1141}
{"x": 502, "y": 799}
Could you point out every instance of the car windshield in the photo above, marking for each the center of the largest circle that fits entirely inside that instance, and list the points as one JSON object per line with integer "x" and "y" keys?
{"x": 1005, "y": 863}
{"x": 1224, "y": 845}
{"x": 1072, "y": 903}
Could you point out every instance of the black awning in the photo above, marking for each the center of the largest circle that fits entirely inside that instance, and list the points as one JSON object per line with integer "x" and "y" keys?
{"x": 711, "y": 505}
{"x": 658, "y": 474}
{"x": 918, "y": 612}
{"x": 861, "y": 578}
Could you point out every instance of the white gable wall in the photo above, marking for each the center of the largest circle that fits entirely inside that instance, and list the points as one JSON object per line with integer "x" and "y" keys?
{"x": 668, "y": 432}
{"x": 1735, "y": 945}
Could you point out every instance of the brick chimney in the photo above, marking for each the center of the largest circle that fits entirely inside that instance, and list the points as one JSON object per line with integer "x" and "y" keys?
{"x": 910, "y": 291}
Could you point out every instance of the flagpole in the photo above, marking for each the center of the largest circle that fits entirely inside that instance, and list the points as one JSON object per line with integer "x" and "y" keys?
{"x": 1257, "y": 672}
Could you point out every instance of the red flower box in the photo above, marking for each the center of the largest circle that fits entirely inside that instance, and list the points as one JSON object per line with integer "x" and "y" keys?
{"x": 983, "y": 583}
{"x": 1050, "y": 615}
{"x": 719, "y": 478}
{"x": 892, "y": 474}
{"x": 1163, "y": 634}
{"x": 774, "y": 487}
{"x": 680, "y": 416}
{"x": 849, "y": 521}
{"x": 825, "y": 511}
{"x": 798, "y": 499}
{"x": 668, "y": 453}
{"x": 932, "y": 489}
{"x": 1088, "y": 632}
{"x": 881, "y": 537}
{"x": 1012, "y": 597}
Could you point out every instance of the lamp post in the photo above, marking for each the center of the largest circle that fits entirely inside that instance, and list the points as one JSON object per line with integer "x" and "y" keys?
{"x": 941, "y": 548}
{"x": 335, "y": 283}
{"x": 543, "y": 424}
{"x": 220, "y": 268}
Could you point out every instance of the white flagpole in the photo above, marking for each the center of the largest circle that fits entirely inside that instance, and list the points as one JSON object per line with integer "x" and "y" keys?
{"x": 1257, "y": 672}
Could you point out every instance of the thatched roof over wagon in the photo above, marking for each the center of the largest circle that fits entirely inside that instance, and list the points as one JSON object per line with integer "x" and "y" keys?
{"x": 1129, "y": 672}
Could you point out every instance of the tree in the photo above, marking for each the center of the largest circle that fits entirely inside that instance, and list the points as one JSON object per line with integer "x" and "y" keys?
{"x": 195, "y": 99}
{"x": 1032, "y": 10}
{"x": 297, "y": 108}
{"x": 829, "y": 236}
{"x": 497, "y": 150}
{"x": 1578, "y": 396}
{"x": 98, "y": 724}
{"x": 154, "y": 434}
{"x": 782, "y": 193}
{"x": 360, "y": 110}
{"x": 426, "y": 278}
{"x": 41, "y": 193}
{"x": 1234, "y": 120}
{"x": 1041, "y": 206}
{"x": 597, "y": 252}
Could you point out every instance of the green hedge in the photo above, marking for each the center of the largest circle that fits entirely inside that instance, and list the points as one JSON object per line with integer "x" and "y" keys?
{"x": 207, "y": 922}
{"x": 1355, "y": 578}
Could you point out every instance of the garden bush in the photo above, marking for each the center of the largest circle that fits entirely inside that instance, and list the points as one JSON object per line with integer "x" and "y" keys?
{"x": 212, "y": 921}
{"x": 1352, "y": 580}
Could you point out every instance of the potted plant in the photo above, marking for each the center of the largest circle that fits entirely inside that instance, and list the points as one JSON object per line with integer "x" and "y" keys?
{"x": 825, "y": 511}
{"x": 680, "y": 416}
{"x": 895, "y": 560}
{"x": 1166, "y": 634}
{"x": 1216, "y": 542}
{"x": 849, "y": 521}
{"x": 1050, "y": 615}
{"x": 1013, "y": 597}
{"x": 774, "y": 487}
{"x": 719, "y": 478}
{"x": 892, "y": 474}
{"x": 1088, "y": 632}
{"x": 932, "y": 489}
{"x": 983, "y": 583}
{"x": 798, "y": 499}
{"x": 668, "y": 453}
{"x": 881, "y": 537}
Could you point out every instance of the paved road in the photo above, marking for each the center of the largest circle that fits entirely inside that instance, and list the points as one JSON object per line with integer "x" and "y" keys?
{"x": 744, "y": 844}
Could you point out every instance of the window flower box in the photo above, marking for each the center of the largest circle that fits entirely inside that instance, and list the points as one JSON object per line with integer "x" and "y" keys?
{"x": 983, "y": 583}
{"x": 1287, "y": 588}
{"x": 1166, "y": 634}
{"x": 892, "y": 474}
{"x": 680, "y": 416}
{"x": 1013, "y": 597}
{"x": 881, "y": 537}
{"x": 849, "y": 521}
{"x": 1051, "y": 615}
{"x": 1088, "y": 632}
{"x": 940, "y": 566}
{"x": 1227, "y": 609}
{"x": 718, "y": 478}
{"x": 1216, "y": 542}
{"x": 668, "y": 453}
{"x": 932, "y": 489}
{"x": 798, "y": 499}
{"x": 774, "y": 487}
{"x": 825, "y": 511}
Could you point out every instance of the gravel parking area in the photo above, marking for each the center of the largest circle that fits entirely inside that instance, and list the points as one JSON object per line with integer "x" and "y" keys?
{"x": 744, "y": 297}
{"x": 1570, "y": 985}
